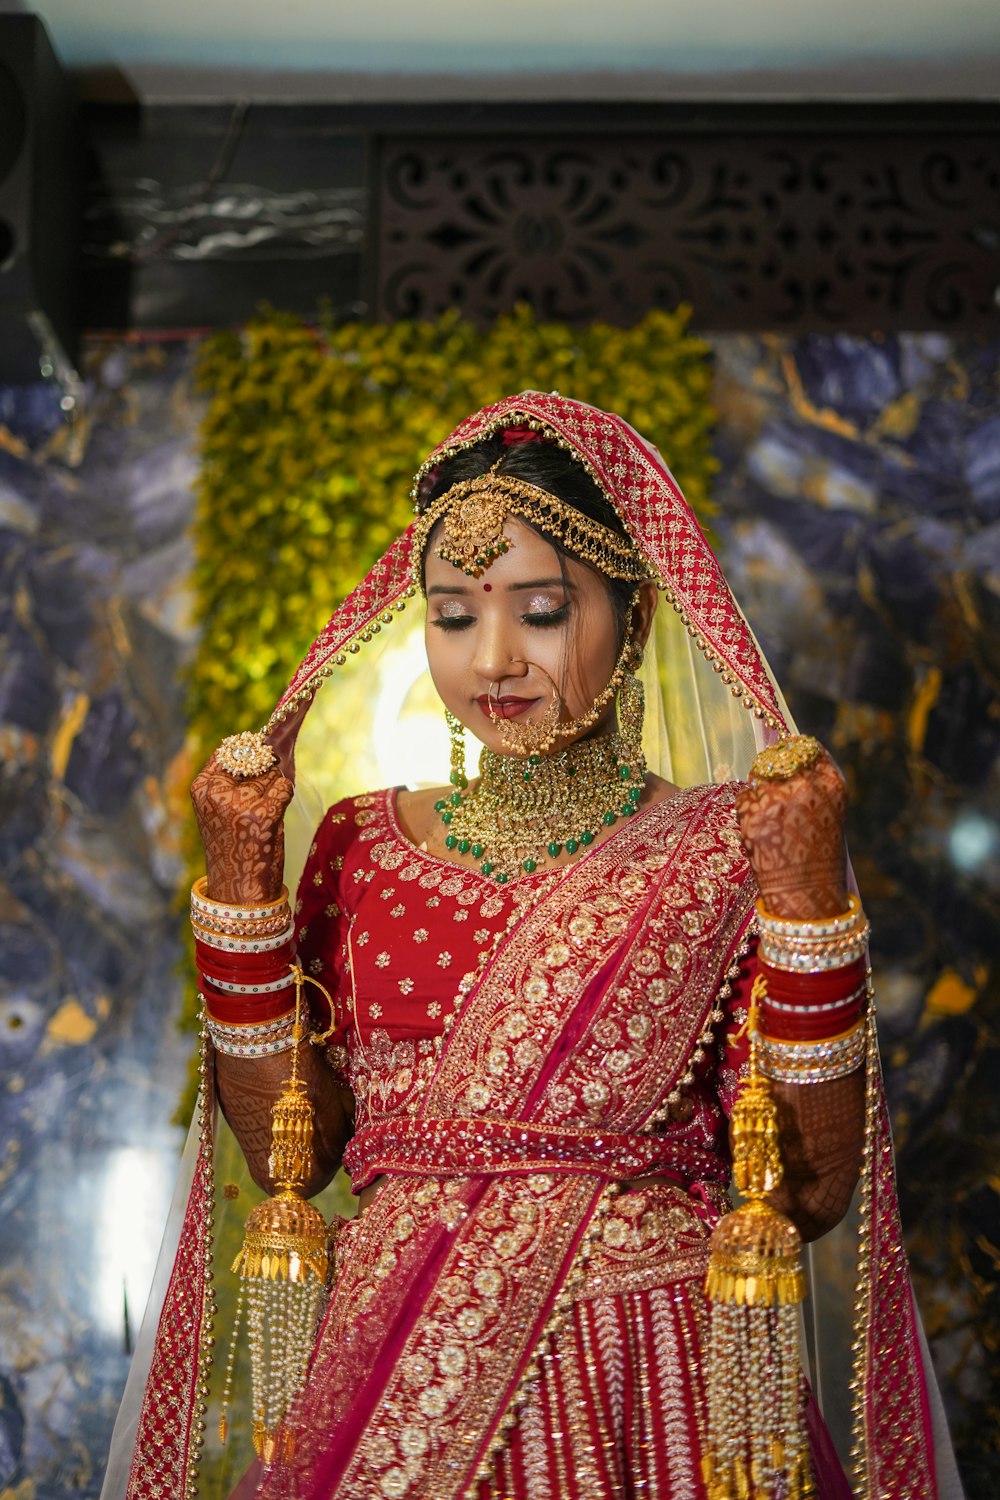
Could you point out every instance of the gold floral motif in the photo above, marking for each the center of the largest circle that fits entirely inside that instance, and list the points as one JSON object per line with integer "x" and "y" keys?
{"x": 646, "y": 961}
{"x": 387, "y": 1076}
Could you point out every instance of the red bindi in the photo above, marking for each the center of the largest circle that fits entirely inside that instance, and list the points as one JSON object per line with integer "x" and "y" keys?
{"x": 487, "y": 588}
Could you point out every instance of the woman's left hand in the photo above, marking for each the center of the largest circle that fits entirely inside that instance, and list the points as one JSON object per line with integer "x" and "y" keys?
{"x": 793, "y": 831}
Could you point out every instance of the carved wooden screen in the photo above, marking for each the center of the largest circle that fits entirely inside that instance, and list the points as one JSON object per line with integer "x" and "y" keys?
{"x": 840, "y": 231}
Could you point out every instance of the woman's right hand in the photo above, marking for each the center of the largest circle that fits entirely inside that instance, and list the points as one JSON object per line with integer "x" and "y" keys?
{"x": 241, "y": 822}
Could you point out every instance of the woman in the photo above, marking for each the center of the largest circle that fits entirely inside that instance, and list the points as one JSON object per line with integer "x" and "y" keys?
{"x": 537, "y": 984}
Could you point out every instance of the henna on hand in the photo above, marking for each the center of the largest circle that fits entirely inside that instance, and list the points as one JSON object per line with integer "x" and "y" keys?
{"x": 242, "y": 829}
{"x": 821, "y": 1130}
{"x": 793, "y": 831}
{"x": 248, "y": 1087}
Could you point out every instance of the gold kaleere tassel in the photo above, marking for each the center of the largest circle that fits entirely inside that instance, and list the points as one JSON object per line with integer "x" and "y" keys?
{"x": 282, "y": 1266}
{"x": 757, "y": 1447}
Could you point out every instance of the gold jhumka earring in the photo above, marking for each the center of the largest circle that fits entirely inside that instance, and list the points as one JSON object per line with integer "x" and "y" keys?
{"x": 456, "y": 740}
{"x": 632, "y": 702}
{"x": 282, "y": 1266}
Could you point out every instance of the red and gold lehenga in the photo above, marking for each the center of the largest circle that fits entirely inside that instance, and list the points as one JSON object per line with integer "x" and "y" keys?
{"x": 505, "y": 1320}
{"x": 584, "y": 1053}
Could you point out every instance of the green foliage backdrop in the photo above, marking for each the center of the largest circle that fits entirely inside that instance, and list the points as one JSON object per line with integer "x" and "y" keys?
{"x": 311, "y": 438}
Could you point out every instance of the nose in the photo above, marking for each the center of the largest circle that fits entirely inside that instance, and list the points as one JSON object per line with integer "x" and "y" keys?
{"x": 493, "y": 658}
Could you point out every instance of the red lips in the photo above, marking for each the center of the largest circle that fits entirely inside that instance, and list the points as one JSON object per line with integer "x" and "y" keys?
{"x": 507, "y": 707}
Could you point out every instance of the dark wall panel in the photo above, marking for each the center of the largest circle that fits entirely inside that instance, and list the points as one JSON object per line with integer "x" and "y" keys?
{"x": 827, "y": 231}
{"x": 793, "y": 217}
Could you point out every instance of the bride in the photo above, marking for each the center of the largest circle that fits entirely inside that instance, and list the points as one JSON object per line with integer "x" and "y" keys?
{"x": 530, "y": 991}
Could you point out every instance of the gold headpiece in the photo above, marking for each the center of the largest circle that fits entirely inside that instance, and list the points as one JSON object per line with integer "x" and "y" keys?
{"x": 474, "y": 512}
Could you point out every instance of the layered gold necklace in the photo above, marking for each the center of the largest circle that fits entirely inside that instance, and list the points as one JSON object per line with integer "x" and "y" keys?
{"x": 525, "y": 811}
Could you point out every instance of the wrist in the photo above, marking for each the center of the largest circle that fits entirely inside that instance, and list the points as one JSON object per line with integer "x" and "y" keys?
{"x": 805, "y": 900}
{"x": 229, "y": 886}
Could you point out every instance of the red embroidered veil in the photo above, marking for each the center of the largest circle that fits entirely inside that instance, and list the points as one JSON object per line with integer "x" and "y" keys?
{"x": 712, "y": 703}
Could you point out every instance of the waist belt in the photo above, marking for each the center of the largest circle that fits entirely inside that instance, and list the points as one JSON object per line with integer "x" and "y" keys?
{"x": 456, "y": 1147}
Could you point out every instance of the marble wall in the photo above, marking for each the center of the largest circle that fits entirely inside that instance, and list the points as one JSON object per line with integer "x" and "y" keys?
{"x": 94, "y": 630}
{"x": 860, "y": 522}
{"x": 859, "y": 495}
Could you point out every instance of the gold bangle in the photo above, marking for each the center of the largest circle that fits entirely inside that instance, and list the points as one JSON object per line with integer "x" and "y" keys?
{"x": 810, "y": 1042}
{"x": 814, "y": 927}
{"x": 229, "y": 911}
{"x": 814, "y": 957}
{"x": 263, "y": 1039}
{"x": 815, "y": 1061}
{"x": 244, "y": 943}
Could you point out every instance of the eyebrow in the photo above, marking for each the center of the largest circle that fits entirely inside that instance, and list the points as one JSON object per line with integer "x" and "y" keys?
{"x": 512, "y": 588}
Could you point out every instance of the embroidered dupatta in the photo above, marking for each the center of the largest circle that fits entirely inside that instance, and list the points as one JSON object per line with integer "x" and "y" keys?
{"x": 895, "y": 1451}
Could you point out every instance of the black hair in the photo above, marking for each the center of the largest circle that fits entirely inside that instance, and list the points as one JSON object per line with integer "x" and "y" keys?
{"x": 555, "y": 470}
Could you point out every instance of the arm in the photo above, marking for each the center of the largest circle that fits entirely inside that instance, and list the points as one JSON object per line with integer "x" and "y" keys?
{"x": 793, "y": 832}
{"x": 241, "y": 824}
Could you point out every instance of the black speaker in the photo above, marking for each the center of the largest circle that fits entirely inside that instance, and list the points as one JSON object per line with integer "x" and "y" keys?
{"x": 40, "y": 198}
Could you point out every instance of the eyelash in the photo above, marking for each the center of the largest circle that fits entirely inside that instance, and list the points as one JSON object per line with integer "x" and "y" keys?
{"x": 543, "y": 621}
{"x": 547, "y": 617}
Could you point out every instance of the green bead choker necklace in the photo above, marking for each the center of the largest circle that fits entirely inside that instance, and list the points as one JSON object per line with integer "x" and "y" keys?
{"x": 525, "y": 811}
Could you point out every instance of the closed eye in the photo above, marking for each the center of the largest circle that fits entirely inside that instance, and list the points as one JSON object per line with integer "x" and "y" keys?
{"x": 546, "y": 617}
{"x": 453, "y": 622}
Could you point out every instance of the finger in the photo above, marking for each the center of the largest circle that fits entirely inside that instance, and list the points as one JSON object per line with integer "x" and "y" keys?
{"x": 265, "y": 784}
{"x": 282, "y": 741}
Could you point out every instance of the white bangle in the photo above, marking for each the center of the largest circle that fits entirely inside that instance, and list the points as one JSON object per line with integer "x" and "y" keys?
{"x": 233, "y": 988}
{"x": 242, "y": 944}
{"x": 261, "y": 1040}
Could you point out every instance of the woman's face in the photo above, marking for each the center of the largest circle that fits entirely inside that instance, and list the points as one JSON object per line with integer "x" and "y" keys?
{"x": 503, "y": 644}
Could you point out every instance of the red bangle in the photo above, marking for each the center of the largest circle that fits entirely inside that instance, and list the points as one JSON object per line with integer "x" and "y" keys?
{"x": 800, "y": 1026}
{"x": 260, "y": 969}
{"x": 813, "y": 989}
{"x": 245, "y": 1008}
